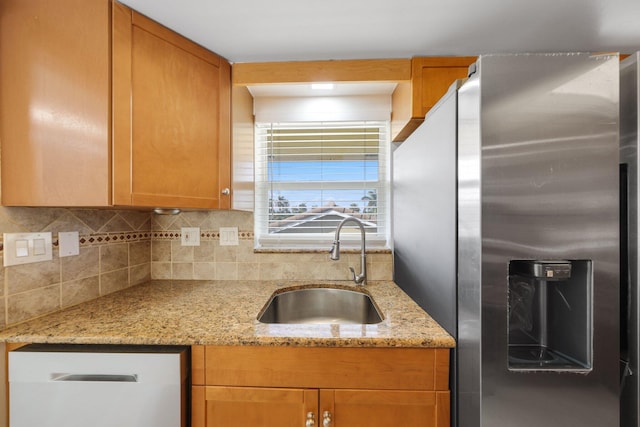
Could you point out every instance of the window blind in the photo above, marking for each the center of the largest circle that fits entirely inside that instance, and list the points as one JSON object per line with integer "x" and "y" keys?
{"x": 312, "y": 175}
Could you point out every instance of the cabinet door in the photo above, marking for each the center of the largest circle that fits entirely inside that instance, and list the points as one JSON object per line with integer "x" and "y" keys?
{"x": 246, "y": 406}
{"x": 431, "y": 78}
{"x": 171, "y": 117}
{"x": 55, "y": 102}
{"x": 384, "y": 408}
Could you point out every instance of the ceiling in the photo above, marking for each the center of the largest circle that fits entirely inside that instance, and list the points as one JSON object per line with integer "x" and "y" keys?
{"x": 300, "y": 30}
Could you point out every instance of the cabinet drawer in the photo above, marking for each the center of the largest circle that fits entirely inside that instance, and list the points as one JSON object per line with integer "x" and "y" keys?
{"x": 356, "y": 368}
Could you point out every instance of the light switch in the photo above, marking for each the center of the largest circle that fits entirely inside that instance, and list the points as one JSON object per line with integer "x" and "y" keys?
{"x": 39, "y": 247}
{"x": 228, "y": 236}
{"x": 22, "y": 248}
{"x": 68, "y": 243}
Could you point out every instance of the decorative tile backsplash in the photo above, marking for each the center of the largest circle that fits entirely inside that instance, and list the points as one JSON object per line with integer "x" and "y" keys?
{"x": 115, "y": 251}
{"x": 122, "y": 248}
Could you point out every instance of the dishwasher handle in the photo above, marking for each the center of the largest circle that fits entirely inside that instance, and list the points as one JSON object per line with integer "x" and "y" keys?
{"x": 95, "y": 378}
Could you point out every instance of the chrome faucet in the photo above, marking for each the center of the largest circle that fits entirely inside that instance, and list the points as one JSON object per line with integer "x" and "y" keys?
{"x": 361, "y": 278}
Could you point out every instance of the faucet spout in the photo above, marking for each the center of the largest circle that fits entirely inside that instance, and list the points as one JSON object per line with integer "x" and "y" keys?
{"x": 359, "y": 279}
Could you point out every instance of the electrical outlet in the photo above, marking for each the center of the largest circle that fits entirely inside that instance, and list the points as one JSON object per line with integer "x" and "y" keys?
{"x": 228, "y": 236}
{"x": 190, "y": 236}
{"x": 68, "y": 243}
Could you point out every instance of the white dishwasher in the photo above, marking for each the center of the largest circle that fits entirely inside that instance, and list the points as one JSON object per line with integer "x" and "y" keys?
{"x": 94, "y": 385}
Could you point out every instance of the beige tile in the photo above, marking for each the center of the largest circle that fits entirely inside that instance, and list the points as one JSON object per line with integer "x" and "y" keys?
{"x": 28, "y": 305}
{"x": 226, "y": 253}
{"x": 243, "y": 220}
{"x": 139, "y": 221}
{"x": 139, "y": 274}
{"x": 273, "y": 257}
{"x": 162, "y": 222}
{"x": 336, "y": 270}
{"x": 86, "y": 264}
{"x": 2, "y": 313}
{"x": 117, "y": 224}
{"x": 271, "y": 271}
{"x": 212, "y": 221}
{"x": 68, "y": 222}
{"x": 77, "y": 291}
{"x": 182, "y": 271}
{"x": 21, "y": 278}
{"x": 194, "y": 218}
{"x": 245, "y": 253}
{"x": 146, "y": 227}
{"x": 114, "y": 281}
{"x": 95, "y": 219}
{"x": 380, "y": 258}
{"x": 161, "y": 250}
{"x": 311, "y": 271}
{"x": 114, "y": 257}
{"x": 380, "y": 271}
{"x": 226, "y": 271}
{"x": 160, "y": 270}
{"x": 219, "y": 218}
{"x": 320, "y": 257}
{"x": 181, "y": 221}
{"x": 2, "y": 272}
{"x": 204, "y": 270}
{"x": 16, "y": 219}
{"x": 139, "y": 253}
{"x": 205, "y": 252}
{"x": 181, "y": 253}
{"x": 248, "y": 271}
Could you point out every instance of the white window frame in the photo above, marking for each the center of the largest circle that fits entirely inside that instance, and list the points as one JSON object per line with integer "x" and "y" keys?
{"x": 263, "y": 188}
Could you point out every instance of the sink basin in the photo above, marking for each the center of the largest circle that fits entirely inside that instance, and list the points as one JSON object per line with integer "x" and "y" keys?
{"x": 320, "y": 306}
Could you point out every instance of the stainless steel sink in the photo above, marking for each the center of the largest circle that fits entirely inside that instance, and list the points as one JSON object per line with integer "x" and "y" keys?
{"x": 321, "y": 306}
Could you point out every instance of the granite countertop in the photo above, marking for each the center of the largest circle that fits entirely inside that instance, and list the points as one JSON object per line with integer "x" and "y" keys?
{"x": 224, "y": 313}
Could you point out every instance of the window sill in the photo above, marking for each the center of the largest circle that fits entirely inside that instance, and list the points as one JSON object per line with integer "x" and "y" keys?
{"x": 318, "y": 250}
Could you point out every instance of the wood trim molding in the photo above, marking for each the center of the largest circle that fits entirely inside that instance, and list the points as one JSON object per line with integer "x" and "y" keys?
{"x": 174, "y": 38}
{"x": 121, "y": 102}
{"x": 392, "y": 70}
{"x": 224, "y": 135}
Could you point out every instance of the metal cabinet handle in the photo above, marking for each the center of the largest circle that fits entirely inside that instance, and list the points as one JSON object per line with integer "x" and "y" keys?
{"x": 226, "y": 191}
{"x": 326, "y": 419}
{"x": 311, "y": 421}
{"x": 95, "y": 378}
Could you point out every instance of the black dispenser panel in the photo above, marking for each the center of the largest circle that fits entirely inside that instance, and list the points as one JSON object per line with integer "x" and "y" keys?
{"x": 550, "y": 315}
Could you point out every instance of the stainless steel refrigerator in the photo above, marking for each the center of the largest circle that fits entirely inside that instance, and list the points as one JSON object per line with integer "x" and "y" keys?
{"x": 506, "y": 230}
{"x": 629, "y": 271}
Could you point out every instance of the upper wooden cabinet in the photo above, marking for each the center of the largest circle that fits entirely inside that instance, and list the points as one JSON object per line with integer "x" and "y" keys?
{"x": 171, "y": 115}
{"x": 54, "y": 102}
{"x": 100, "y": 106}
{"x": 430, "y": 80}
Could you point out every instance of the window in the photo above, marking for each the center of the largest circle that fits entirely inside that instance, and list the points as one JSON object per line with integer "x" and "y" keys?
{"x": 312, "y": 175}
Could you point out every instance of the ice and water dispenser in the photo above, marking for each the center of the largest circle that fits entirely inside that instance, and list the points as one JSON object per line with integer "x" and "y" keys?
{"x": 550, "y": 315}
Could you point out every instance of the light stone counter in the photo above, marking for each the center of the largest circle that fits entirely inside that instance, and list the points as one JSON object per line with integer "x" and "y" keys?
{"x": 224, "y": 313}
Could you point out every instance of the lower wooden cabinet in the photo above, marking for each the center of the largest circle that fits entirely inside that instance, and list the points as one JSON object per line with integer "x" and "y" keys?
{"x": 328, "y": 387}
{"x": 250, "y": 406}
{"x": 385, "y": 408}
{"x": 283, "y": 407}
